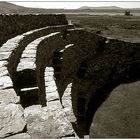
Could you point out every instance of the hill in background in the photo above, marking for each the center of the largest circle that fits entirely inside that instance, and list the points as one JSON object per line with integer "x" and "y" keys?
{"x": 6, "y": 7}
{"x": 100, "y": 8}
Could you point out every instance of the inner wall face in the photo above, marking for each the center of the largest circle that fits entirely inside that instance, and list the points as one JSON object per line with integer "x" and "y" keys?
{"x": 118, "y": 113}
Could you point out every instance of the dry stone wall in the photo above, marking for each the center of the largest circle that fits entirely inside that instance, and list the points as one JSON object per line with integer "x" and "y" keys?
{"x": 72, "y": 73}
{"x": 12, "y": 25}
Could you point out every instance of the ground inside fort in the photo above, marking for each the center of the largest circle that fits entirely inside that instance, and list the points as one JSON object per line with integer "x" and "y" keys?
{"x": 117, "y": 26}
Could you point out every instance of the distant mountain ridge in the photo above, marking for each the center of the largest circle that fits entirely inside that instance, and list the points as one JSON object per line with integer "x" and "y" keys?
{"x": 6, "y": 7}
{"x": 102, "y": 7}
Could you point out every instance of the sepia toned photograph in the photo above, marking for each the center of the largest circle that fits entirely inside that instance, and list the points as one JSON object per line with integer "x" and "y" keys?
{"x": 69, "y": 69}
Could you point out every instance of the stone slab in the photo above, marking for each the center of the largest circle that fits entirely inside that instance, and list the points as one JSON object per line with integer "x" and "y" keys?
{"x": 11, "y": 119}
{"x": 9, "y": 96}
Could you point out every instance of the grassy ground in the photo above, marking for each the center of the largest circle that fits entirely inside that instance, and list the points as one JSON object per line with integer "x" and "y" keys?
{"x": 121, "y": 27}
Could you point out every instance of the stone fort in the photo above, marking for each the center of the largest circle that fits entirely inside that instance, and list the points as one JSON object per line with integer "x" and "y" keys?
{"x": 56, "y": 81}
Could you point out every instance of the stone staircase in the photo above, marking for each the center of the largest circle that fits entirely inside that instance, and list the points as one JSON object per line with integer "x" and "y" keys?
{"x": 28, "y": 57}
{"x": 18, "y": 84}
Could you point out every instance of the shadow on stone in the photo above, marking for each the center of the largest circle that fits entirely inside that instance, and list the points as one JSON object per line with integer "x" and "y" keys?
{"x": 29, "y": 97}
{"x": 25, "y": 78}
{"x": 82, "y": 70}
{"x": 25, "y": 84}
{"x": 102, "y": 94}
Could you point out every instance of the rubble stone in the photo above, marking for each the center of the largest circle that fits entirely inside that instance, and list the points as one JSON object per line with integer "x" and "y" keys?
{"x": 11, "y": 119}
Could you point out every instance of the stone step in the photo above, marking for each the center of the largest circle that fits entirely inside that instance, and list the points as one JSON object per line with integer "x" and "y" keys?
{"x": 20, "y": 136}
{"x": 4, "y": 55}
{"x": 11, "y": 119}
{"x": 50, "y": 89}
{"x": 67, "y": 103}
{"x": 3, "y": 63}
{"x": 3, "y": 68}
{"x": 3, "y": 71}
{"x": 49, "y": 78}
{"x": 28, "y": 89}
{"x": 28, "y": 57}
{"x": 5, "y": 82}
{"x": 47, "y": 122}
{"x": 66, "y": 47}
{"x": 52, "y": 96}
{"x": 9, "y": 96}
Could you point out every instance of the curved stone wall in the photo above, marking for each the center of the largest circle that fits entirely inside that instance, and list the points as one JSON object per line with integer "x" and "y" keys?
{"x": 13, "y": 25}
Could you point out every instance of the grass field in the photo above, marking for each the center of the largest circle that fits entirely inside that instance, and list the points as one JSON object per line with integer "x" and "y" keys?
{"x": 121, "y": 27}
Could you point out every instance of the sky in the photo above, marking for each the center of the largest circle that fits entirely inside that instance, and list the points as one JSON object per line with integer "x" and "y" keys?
{"x": 76, "y": 4}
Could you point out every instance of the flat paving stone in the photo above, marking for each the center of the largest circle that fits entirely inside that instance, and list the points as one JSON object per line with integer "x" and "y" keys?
{"x": 11, "y": 119}
{"x": 47, "y": 122}
{"x": 3, "y": 63}
{"x": 9, "y": 96}
{"x": 5, "y": 82}
{"x": 50, "y": 89}
{"x": 3, "y": 71}
{"x": 20, "y": 136}
{"x": 67, "y": 104}
{"x": 4, "y": 55}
